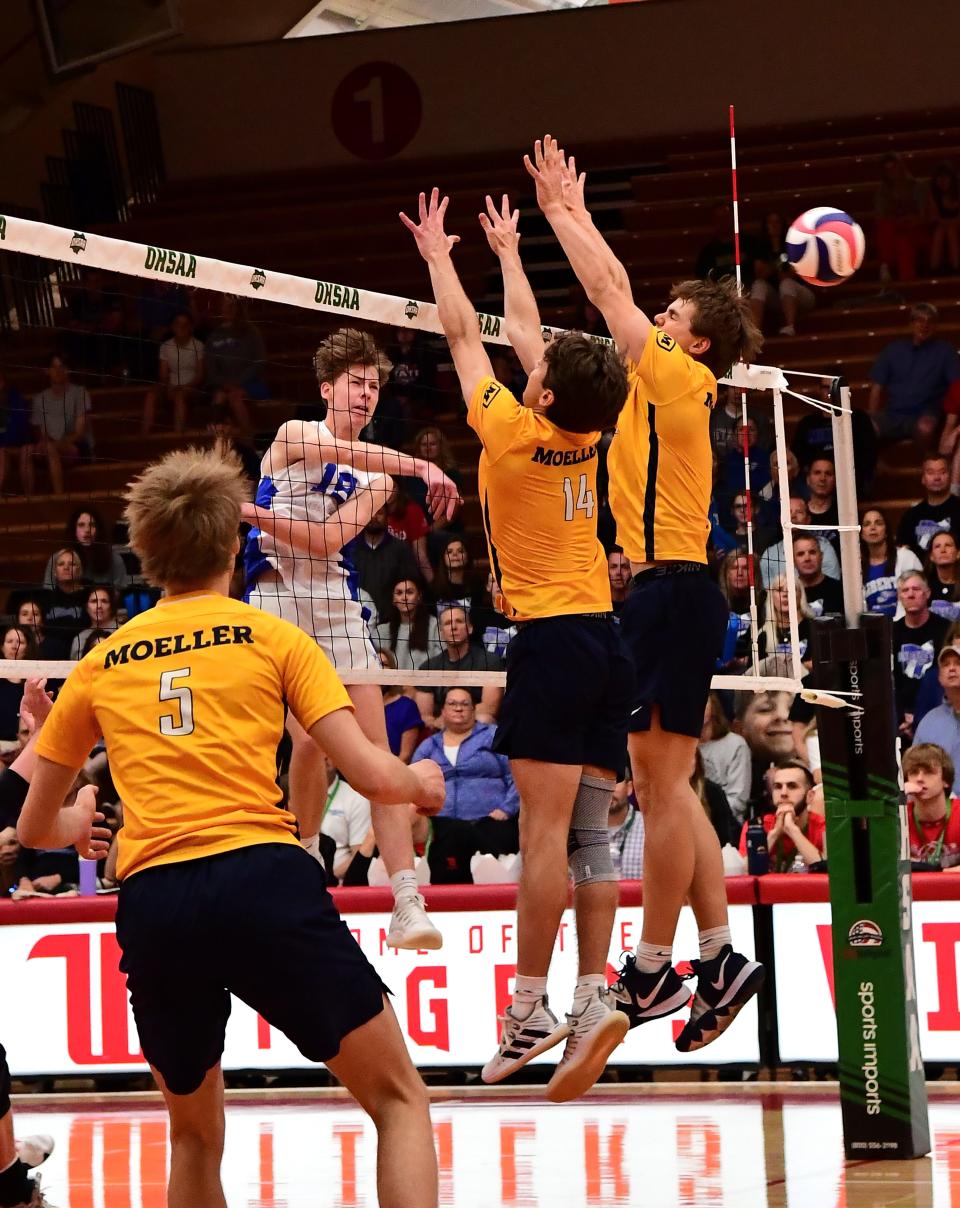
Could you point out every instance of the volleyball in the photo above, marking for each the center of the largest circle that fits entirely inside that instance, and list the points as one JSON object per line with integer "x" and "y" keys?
{"x": 825, "y": 246}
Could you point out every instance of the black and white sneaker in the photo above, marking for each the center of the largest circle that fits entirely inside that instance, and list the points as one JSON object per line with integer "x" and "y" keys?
{"x": 724, "y": 985}
{"x": 644, "y": 996}
{"x": 523, "y": 1039}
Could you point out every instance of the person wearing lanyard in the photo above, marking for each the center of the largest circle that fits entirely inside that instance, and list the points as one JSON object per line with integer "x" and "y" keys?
{"x": 347, "y": 821}
{"x": 626, "y": 833}
{"x": 934, "y": 824}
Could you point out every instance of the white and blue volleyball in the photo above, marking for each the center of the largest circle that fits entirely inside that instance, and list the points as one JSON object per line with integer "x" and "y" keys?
{"x": 825, "y": 246}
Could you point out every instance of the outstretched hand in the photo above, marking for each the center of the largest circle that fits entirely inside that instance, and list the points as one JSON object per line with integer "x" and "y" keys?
{"x": 500, "y": 227}
{"x": 432, "y": 240}
{"x": 443, "y": 494}
{"x": 91, "y": 840}
{"x": 573, "y": 187}
{"x": 548, "y": 169}
{"x": 36, "y": 704}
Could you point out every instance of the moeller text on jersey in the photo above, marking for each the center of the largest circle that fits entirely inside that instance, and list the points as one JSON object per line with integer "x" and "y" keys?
{"x": 563, "y": 457}
{"x": 179, "y": 643}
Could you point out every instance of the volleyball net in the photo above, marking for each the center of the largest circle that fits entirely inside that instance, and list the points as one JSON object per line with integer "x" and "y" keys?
{"x": 109, "y": 308}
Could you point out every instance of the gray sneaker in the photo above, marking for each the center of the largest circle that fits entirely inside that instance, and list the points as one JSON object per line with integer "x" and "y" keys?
{"x": 594, "y": 1033}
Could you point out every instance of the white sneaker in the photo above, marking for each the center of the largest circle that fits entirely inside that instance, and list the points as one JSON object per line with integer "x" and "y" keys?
{"x": 523, "y": 1039}
{"x": 34, "y": 1150}
{"x": 594, "y": 1034}
{"x": 410, "y": 926}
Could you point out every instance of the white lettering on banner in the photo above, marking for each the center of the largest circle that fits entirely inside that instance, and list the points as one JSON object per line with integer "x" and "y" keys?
{"x": 806, "y": 1020}
{"x": 70, "y": 1014}
{"x": 868, "y": 1031}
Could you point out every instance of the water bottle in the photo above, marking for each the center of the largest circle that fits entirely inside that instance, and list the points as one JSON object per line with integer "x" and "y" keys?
{"x": 758, "y": 857}
{"x": 88, "y": 878}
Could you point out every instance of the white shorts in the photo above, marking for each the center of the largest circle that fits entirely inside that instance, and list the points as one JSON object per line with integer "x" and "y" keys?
{"x": 337, "y": 626}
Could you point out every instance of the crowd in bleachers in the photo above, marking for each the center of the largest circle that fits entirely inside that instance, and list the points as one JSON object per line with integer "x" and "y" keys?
{"x": 205, "y": 362}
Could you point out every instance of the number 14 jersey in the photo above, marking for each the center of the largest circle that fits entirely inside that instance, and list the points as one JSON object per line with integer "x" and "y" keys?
{"x": 538, "y": 494}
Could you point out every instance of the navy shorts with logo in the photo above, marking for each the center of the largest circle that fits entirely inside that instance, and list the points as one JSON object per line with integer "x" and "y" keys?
{"x": 257, "y": 922}
{"x": 674, "y": 622}
{"x": 569, "y": 688}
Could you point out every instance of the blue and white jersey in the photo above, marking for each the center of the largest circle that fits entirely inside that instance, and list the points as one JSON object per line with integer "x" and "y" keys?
{"x": 311, "y": 493}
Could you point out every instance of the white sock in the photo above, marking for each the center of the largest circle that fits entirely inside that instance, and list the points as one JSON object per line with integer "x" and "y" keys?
{"x": 652, "y": 957}
{"x": 713, "y": 940}
{"x": 404, "y": 883}
{"x": 527, "y": 992}
{"x": 586, "y": 990}
{"x": 311, "y": 844}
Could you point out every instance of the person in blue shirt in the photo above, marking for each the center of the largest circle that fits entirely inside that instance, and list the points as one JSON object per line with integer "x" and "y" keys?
{"x": 910, "y": 377}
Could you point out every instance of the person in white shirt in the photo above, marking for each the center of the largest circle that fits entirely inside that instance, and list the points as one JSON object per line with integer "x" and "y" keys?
{"x": 346, "y": 819}
{"x": 179, "y": 375}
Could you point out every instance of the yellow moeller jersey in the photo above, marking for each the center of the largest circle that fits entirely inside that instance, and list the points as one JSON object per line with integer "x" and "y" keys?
{"x": 538, "y": 491}
{"x": 189, "y": 697}
{"x": 660, "y": 462}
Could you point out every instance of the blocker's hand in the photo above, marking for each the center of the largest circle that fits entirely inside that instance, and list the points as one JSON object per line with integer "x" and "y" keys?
{"x": 500, "y": 227}
{"x": 548, "y": 169}
{"x": 433, "y": 789}
{"x": 432, "y": 240}
{"x": 36, "y": 704}
{"x": 443, "y": 495}
{"x": 91, "y": 840}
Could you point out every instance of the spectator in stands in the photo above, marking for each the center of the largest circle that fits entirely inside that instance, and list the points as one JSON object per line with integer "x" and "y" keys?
{"x": 824, "y": 595}
{"x": 714, "y": 802}
{"x": 17, "y": 643}
{"x": 480, "y": 787}
{"x": 882, "y": 563}
{"x": 93, "y": 335}
{"x": 930, "y": 692}
{"x": 412, "y": 386}
{"x": 742, "y": 507}
{"x": 621, "y": 576}
{"x": 58, "y": 417}
{"x": 775, "y": 638}
{"x": 460, "y": 654}
{"x": 822, "y": 503}
{"x": 943, "y": 212}
{"x": 9, "y": 861}
{"x": 235, "y": 363}
{"x": 917, "y": 638}
{"x": 14, "y": 424}
{"x": 813, "y": 437}
{"x": 380, "y": 560}
{"x": 937, "y": 512}
{"x": 65, "y": 613}
{"x": 179, "y": 374}
{"x": 625, "y": 826}
{"x": 94, "y": 638}
{"x": 491, "y": 626}
{"x": 768, "y": 497}
{"x": 409, "y": 524}
{"x": 763, "y": 720}
{"x": 777, "y": 288}
{"x": 30, "y": 616}
{"x": 346, "y": 819}
{"x": 933, "y": 809}
{"x": 409, "y": 630}
{"x": 734, "y": 582}
{"x": 726, "y": 757}
{"x": 431, "y": 445}
{"x": 900, "y": 206}
{"x": 457, "y": 581}
{"x": 942, "y": 568}
{"x": 910, "y": 379}
{"x": 942, "y": 724}
{"x": 773, "y": 559}
{"x": 796, "y": 836}
{"x": 86, "y": 535}
{"x": 228, "y": 438}
{"x": 726, "y": 423}
{"x": 100, "y": 606}
{"x": 734, "y": 477}
{"x": 718, "y": 256}
{"x": 401, "y": 713}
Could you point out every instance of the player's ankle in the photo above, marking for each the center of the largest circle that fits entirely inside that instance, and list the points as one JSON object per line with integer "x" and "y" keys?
{"x": 404, "y": 883}
{"x": 651, "y": 958}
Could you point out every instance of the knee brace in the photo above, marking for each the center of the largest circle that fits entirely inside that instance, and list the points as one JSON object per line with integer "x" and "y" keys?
{"x": 4, "y": 1083}
{"x": 588, "y": 843}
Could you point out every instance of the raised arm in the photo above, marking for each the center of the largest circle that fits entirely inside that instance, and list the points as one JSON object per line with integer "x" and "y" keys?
{"x": 457, "y": 316}
{"x": 524, "y": 329}
{"x": 322, "y": 540}
{"x": 599, "y": 272}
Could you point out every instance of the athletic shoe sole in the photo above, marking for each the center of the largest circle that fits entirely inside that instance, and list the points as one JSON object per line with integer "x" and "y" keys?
{"x": 744, "y": 987}
{"x": 429, "y": 938}
{"x": 491, "y": 1077}
{"x": 576, "y": 1076}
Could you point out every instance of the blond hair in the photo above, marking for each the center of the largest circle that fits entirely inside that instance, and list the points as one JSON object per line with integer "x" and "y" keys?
{"x": 183, "y": 513}
{"x": 349, "y": 346}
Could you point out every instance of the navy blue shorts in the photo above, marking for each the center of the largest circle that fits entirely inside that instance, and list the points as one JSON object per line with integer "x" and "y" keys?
{"x": 257, "y": 922}
{"x": 569, "y": 687}
{"x": 674, "y": 627}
